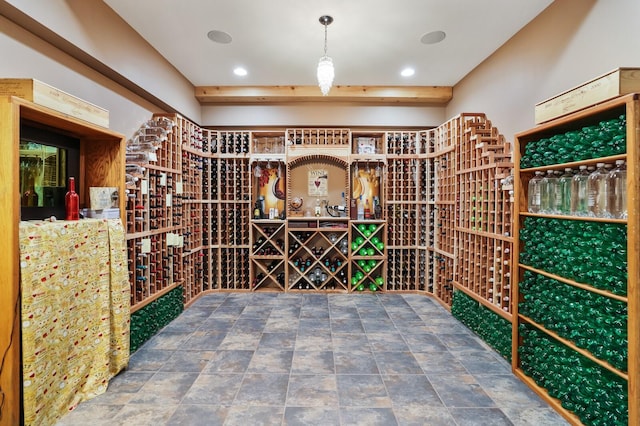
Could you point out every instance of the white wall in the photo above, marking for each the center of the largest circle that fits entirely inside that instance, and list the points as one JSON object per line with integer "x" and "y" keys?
{"x": 95, "y": 30}
{"x": 322, "y": 115}
{"x": 571, "y": 42}
{"x": 27, "y": 56}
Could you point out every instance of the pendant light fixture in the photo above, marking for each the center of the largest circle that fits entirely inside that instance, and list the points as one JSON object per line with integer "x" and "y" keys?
{"x": 325, "y": 66}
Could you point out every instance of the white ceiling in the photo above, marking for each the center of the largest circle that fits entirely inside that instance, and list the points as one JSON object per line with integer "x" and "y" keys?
{"x": 279, "y": 42}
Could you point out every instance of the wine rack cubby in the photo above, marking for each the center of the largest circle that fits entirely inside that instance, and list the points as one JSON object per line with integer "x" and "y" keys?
{"x": 368, "y": 255}
{"x": 318, "y": 256}
{"x": 268, "y": 261}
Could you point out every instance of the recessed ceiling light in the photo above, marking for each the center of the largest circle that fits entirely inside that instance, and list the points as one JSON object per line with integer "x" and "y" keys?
{"x": 219, "y": 37}
{"x": 407, "y": 72}
{"x": 239, "y": 71}
{"x": 433, "y": 37}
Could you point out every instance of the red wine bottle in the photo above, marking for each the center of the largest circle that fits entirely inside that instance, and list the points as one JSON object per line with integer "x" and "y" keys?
{"x": 72, "y": 201}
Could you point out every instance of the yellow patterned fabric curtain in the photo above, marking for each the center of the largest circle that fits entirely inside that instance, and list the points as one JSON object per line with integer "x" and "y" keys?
{"x": 75, "y": 313}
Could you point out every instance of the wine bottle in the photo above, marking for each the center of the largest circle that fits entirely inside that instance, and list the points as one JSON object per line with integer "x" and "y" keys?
{"x": 72, "y": 202}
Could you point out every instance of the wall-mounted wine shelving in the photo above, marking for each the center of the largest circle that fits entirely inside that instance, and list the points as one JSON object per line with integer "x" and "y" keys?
{"x": 208, "y": 184}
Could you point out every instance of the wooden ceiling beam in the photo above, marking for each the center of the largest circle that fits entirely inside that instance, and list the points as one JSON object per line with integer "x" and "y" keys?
{"x": 414, "y": 95}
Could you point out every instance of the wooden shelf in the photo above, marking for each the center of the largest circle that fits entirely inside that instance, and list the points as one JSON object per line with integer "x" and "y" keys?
{"x": 580, "y": 218}
{"x": 575, "y": 284}
{"x": 575, "y": 164}
{"x": 571, "y": 345}
{"x": 590, "y": 118}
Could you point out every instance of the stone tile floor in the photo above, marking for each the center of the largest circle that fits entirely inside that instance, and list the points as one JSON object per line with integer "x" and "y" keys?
{"x": 313, "y": 359}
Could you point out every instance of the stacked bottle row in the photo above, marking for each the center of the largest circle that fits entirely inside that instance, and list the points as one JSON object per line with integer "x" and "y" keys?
{"x": 443, "y": 274}
{"x": 403, "y": 143}
{"x": 577, "y": 301}
{"x": 234, "y": 269}
{"x": 407, "y": 269}
{"x": 318, "y": 137}
{"x": 425, "y": 180}
{"x": 151, "y": 318}
{"x": 194, "y": 167}
{"x": 484, "y": 267}
{"x": 193, "y": 229}
{"x": 593, "y": 393}
{"x": 590, "y": 321}
{"x": 606, "y": 138}
{"x": 210, "y": 178}
{"x": 441, "y": 200}
{"x": 593, "y": 253}
{"x": 445, "y": 179}
{"x": 430, "y": 258}
{"x": 193, "y": 272}
{"x": 233, "y": 143}
{"x": 233, "y": 195}
{"x": 210, "y": 220}
{"x": 483, "y": 212}
{"x": 149, "y": 201}
{"x": 592, "y": 193}
{"x": 403, "y": 180}
{"x": 193, "y": 137}
{"x": 153, "y": 266}
{"x": 444, "y": 230}
{"x": 234, "y": 224}
{"x": 192, "y": 179}
{"x": 491, "y": 327}
{"x": 483, "y": 205}
{"x": 235, "y": 179}
{"x": 404, "y": 219}
{"x": 212, "y": 270}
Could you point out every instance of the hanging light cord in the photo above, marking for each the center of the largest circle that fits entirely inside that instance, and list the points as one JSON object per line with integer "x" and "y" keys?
{"x": 325, "y": 38}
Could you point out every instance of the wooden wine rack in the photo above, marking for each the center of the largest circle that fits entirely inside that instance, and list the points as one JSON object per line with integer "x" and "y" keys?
{"x": 208, "y": 176}
{"x": 407, "y": 210}
{"x": 485, "y": 244}
{"x": 154, "y": 223}
{"x": 195, "y": 255}
{"x": 234, "y": 210}
{"x": 471, "y": 238}
{"x": 443, "y": 202}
